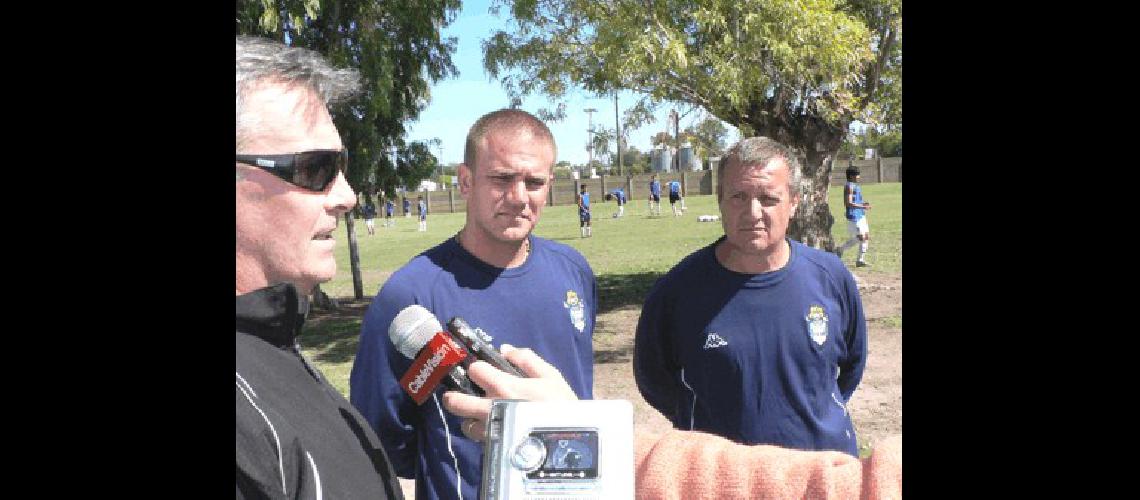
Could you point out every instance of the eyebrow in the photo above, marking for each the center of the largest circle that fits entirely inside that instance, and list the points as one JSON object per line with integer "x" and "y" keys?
{"x": 511, "y": 173}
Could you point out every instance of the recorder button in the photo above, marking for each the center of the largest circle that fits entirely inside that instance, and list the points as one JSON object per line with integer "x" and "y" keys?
{"x": 529, "y": 454}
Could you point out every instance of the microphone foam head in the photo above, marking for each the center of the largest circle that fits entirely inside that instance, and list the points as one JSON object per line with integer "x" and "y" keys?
{"x": 412, "y": 329}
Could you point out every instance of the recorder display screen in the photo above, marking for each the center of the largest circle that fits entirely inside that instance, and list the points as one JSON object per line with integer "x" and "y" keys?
{"x": 570, "y": 454}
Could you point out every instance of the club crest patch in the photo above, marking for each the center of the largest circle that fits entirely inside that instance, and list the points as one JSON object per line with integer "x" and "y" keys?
{"x": 817, "y": 324}
{"x": 577, "y": 310}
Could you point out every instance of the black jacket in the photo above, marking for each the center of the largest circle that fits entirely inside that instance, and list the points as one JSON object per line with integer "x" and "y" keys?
{"x": 297, "y": 437}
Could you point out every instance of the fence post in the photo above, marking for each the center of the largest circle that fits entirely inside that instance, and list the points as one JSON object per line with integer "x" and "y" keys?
{"x": 451, "y": 199}
{"x": 603, "y": 183}
{"x": 879, "y": 160}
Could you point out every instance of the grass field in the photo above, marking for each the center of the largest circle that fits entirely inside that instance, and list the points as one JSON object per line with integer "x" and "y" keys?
{"x": 626, "y": 254}
{"x": 630, "y": 245}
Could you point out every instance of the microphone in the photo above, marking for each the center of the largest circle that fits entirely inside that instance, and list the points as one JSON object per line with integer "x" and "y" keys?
{"x": 478, "y": 342}
{"x": 437, "y": 356}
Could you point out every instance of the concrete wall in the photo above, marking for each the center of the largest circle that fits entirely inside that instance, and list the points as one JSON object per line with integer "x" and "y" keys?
{"x": 870, "y": 171}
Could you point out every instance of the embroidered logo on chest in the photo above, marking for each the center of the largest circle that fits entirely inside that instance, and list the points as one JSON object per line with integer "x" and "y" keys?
{"x": 817, "y": 324}
{"x": 577, "y": 310}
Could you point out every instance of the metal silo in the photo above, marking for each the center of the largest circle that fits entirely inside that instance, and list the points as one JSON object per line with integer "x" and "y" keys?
{"x": 662, "y": 158}
{"x": 687, "y": 160}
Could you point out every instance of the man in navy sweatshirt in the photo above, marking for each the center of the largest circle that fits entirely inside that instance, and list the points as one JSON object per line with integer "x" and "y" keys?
{"x": 755, "y": 337}
{"x": 521, "y": 289}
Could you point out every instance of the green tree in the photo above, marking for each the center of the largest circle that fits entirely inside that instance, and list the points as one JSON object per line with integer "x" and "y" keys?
{"x": 886, "y": 140}
{"x": 890, "y": 142}
{"x": 600, "y": 144}
{"x": 562, "y": 170}
{"x": 796, "y": 71}
{"x": 634, "y": 161}
{"x": 663, "y": 138}
{"x": 641, "y": 165}
{"x": 707, "y": 137}
{"x": 413, "y": 164}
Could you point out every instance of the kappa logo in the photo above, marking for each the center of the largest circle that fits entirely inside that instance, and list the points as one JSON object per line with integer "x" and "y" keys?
{"x": 713, "y": 341}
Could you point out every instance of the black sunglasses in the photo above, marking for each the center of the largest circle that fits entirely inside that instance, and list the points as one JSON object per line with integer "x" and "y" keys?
{"x": 313, "y": 170}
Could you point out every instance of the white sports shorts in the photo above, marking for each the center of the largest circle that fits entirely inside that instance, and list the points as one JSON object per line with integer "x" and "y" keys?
{"x": 856, "y": 227}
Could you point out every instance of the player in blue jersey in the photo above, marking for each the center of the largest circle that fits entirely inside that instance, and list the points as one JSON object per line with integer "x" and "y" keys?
{"x": 620, "y": 196}
{"x": 674, "y": 195}
{"x": 854, "y": 207}
{"x": 421, "y": 205}
{"x": 407, "y": 207}
{"x": 520, "y": 289}
{"x": 389, "y": 207}
{"x": 584, "y": 211}
{"x": 755, "y": 337}
{"x": 369, "y": 212}
{"x": 654, "y": 196}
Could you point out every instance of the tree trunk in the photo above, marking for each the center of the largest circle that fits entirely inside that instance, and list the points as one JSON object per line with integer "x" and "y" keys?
{"x": 354, "y": 258}
{"x": 323, "y": 301}
{"x": 811, "y": 225}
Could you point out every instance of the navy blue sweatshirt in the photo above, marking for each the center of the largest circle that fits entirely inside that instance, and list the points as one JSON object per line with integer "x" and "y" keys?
{"x": 548, "y": 304}
{"x": 768, "y": 358}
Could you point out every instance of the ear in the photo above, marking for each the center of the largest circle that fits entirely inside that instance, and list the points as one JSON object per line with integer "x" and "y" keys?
{"x": 464, "y": 179}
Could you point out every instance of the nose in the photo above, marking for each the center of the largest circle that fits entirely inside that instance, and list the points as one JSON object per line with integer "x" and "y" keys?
{"x": 517, "y": 193}
{"x": 341, "y": 197}
{"x": 755, "y": 209}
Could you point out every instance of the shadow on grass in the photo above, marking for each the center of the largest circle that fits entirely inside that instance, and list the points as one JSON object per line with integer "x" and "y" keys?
{"x": 333, "y": 335}
{"x": 618, "y": 355}
{"x": 620, "y": 290}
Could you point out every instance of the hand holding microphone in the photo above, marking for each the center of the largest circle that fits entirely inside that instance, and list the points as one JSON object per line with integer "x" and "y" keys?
{"x": 479, "y": 343}
{"x": 441, "y": 356}
{"x": 437, "y": 356}
{"x": 545, "y": 383}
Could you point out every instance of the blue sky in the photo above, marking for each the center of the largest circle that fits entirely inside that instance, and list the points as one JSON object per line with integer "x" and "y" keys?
{"x": 457, "y": 102}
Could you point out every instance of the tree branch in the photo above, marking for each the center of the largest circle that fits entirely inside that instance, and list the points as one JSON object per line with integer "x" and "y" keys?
{"x": 885, "y": 44}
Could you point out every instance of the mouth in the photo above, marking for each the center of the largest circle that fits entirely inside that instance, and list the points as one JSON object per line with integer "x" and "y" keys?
{"x": 324, "y": 236}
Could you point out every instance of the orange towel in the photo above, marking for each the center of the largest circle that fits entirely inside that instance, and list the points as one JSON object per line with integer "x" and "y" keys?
{"x": 696, "y": 465}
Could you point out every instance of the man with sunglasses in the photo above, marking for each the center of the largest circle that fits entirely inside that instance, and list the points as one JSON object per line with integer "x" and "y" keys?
{"x": 518, "y": 288}
{"x": 296, "y": 436}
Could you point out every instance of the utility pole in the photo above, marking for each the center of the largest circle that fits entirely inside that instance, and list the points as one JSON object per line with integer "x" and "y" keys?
{"x": 439, "y": 146}
{"x": 676, "y": 139}
{"x": 617, "y": 130}
{"x": 590, "y": 137}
